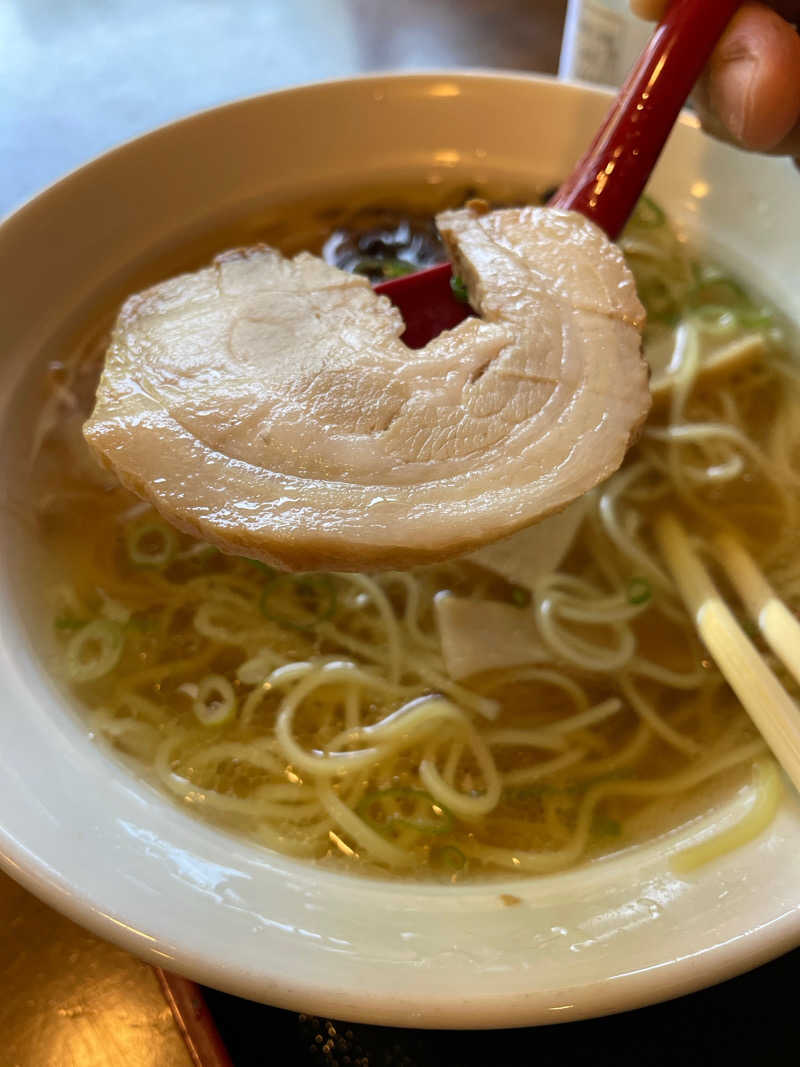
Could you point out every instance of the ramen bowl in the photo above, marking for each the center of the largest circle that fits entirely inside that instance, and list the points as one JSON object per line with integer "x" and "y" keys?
{"x": 83, "y": 832}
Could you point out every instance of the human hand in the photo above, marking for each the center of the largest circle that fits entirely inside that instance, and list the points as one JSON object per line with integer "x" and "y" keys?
{"x": 749, "y": 94}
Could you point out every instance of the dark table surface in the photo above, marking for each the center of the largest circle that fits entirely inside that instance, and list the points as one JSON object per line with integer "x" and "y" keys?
{"x": 76, "y": 77}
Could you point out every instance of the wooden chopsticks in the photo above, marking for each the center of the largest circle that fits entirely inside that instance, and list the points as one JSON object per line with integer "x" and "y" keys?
{"x": 779, "y": 626}
{"x": 771, "y": 708}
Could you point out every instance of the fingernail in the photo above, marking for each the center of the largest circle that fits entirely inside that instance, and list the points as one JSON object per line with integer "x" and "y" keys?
{"x": 733, "y": 93}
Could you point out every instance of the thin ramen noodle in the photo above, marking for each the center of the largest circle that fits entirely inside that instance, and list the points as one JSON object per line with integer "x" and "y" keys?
{"x": 315, "y": 714}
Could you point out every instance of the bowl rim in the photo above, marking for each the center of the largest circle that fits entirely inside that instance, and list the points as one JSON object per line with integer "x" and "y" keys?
{"x": 618, "y": 992}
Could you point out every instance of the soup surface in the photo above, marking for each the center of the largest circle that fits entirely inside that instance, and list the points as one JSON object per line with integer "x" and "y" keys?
{"x": 316, "y": 714}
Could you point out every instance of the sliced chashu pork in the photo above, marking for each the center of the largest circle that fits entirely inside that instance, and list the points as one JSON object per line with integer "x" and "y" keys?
{"x": 268, "y": 405}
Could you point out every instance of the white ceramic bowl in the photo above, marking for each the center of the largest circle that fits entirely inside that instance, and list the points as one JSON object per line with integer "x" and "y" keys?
{"x": 82, "y": 833}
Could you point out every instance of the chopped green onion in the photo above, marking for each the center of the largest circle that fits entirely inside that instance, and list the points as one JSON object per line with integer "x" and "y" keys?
{"x": 716, "y": 317}
{"x": 66, "y": 622}
{"x": 215, "y": 702}
{"x": 448, "y": 858}
{"x": 715, "y": 295}
{"x": 397, "y": 268}
{"x": 459, "y": 289}
{"x": 299, "y": 602}
{"x": 367, "y": 266}
{"x": 648, "y": 213}
{"x": 716, "y": 289}
{"x": 94, "y": 650}
{"x": 756, "y": 318}
{"x": 722, "y": 319}
{"x": 150, "y": 543}
{"x": 639, "y": 591}
{"x": 520, "y": 596}
{"x": 384, "y": 268}
{"x": 387, "y": 810}
{"x": 262, "y": 566}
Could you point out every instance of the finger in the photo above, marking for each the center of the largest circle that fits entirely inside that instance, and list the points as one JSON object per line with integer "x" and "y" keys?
{"x": 750, "y": 91}
{"x": 649, "y": 9}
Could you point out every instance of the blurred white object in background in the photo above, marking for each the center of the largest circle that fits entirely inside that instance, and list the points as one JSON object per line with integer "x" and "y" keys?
{"x": 602, "y": 39}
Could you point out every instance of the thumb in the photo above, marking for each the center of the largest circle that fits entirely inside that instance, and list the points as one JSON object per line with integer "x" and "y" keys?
{"x": 649, "y": 9}
{"x": 750, "y": 92}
